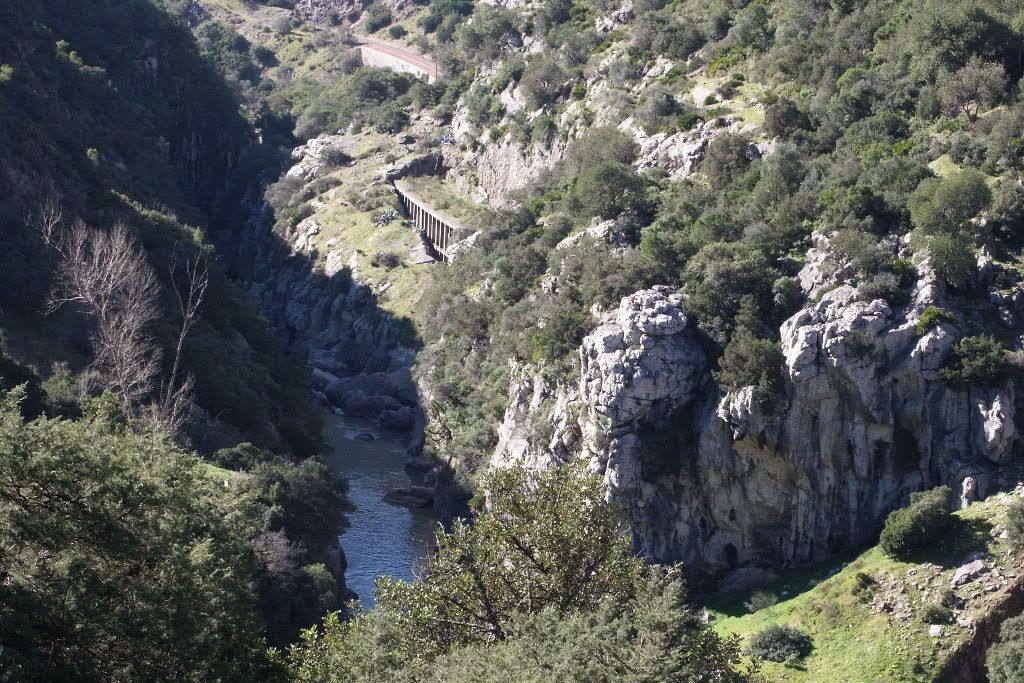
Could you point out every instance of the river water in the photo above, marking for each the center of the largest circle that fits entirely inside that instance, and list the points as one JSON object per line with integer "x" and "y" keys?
{"x": 382, "y": 539}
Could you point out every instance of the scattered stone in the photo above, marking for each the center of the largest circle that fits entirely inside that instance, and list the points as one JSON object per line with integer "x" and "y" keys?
{"x": 935, "y": 631}
{"x": 968, "y": 572}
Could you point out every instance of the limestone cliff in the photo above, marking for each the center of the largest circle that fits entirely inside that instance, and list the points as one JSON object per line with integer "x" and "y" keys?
{"x": 722, "y": 482}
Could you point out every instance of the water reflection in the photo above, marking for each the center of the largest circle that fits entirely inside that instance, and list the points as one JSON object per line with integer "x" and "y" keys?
{"x": 383, "y": 538}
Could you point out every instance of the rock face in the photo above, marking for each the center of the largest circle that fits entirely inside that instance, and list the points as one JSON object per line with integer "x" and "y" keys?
{"x": 325, "y": 316}
{"x": 722, "y": 481}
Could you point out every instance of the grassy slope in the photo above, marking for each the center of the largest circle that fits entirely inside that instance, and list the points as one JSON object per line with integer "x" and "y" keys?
{"x": 855, "y": 639}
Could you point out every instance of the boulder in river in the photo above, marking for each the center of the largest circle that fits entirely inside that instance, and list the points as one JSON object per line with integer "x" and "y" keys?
{"x": 410, "y": 496}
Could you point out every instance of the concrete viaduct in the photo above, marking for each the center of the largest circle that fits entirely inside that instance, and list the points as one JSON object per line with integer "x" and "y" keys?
{"x": 387, "y": 56}
{"x": 437, "y": 227}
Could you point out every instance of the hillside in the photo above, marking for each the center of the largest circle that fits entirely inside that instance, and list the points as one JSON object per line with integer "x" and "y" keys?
{"x": 869, "y": 619}
{"x": 741, "y": 280}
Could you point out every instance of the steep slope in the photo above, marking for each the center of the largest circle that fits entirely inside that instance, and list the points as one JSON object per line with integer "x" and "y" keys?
{"x": 789, "y": 172}
{"x": 141, "y": 130}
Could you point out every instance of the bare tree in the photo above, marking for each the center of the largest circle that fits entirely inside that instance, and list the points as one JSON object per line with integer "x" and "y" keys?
{"x": 176, "y": 396}
{"x": 105, "y": 274}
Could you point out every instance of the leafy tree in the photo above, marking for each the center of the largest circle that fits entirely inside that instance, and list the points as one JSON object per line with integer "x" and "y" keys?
{"x": 388, "y": 118}
{"x": 118, "y": 561}
{"x": 1006, "y": 141}
{"x": 607, "y": 189}
{"x": 718, "y": 277}
{"x": 554, "y": 544}
{"x": 947, "y": 34}
{"x": 782, "y": 118}
{"x": 977, "y": 85}
{"x": 601, "y": 143}
{"x": 542, "y": 571}
{"x": 491, "y": 31}
{"x": 749, "y": 361}
{"x": 952, "y": 257}
{"x": 658, "y": 641}
{"x": 727, "y": 156}
{"x": 542, "y": 81}
{"x": 377, "y": 17}
{"x": 946, "y": 204}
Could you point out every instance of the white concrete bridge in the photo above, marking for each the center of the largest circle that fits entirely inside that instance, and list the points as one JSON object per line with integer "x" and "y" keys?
{"x": 438, "y": 227}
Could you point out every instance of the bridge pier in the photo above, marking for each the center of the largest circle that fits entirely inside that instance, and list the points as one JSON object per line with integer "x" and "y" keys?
{"x": 435, "y": 226}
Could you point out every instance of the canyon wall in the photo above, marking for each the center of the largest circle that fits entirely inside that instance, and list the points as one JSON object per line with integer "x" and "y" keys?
{"x": 724, "y": 481}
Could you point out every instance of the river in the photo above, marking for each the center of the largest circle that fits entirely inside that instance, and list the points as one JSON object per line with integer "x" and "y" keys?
{"x": 382, "y": 539}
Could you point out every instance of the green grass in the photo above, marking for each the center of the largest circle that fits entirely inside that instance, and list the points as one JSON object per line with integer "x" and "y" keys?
{"x": 853, "y": 642}
{"x": 346, "y": 221}
{"x": 738, "y": 107}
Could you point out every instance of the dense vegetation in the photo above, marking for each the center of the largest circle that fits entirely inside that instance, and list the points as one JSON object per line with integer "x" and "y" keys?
{"x": 126, "y": 555}
{"x": 126, "y": 558}
{"x": 886, "y": 119}
{"x": 142, "y": 136}
{"x": 541, "y": 586}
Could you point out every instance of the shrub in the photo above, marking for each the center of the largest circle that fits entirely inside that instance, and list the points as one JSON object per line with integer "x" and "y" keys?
{"x": 860, "y": 343}
{"x": 335, "y": 157}
{"x": 728, "y": 155}
{"x": 1005, "y": 659}
{"x": 782, "y": 118}
{"x": 602, "y": 143}
{"x": 377, "y": 17}
{"x": 542, "y": 81}
{"x": 780, "y": 643}
{"x": 385, "y": 260}
{"x": 930, "y": 317}
{"x": 388, "y": 118}
{"x": 863, "y": 584}
{"x": 397, "y": 32}
{"x": 917, "y": 525}
{"x": 934, "y": 613}
{"x": 607, "y": 189}
{"x": 976, "y": 361}
{"x": 1015, "y": 523}
{"x": 760, "y": 600}
{"x": 748, "y": 361}
{"x": 882, "y": 286}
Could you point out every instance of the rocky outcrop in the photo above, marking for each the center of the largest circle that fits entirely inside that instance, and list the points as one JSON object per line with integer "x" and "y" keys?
{"x": 322, "y": 11}
{"x": 498, "y": 168}
{"x": 323, "y": 314}
{"x": 727, "y": 481}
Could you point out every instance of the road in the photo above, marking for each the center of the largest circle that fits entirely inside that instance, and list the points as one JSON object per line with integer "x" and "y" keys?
{"x": 408, "y": 56}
